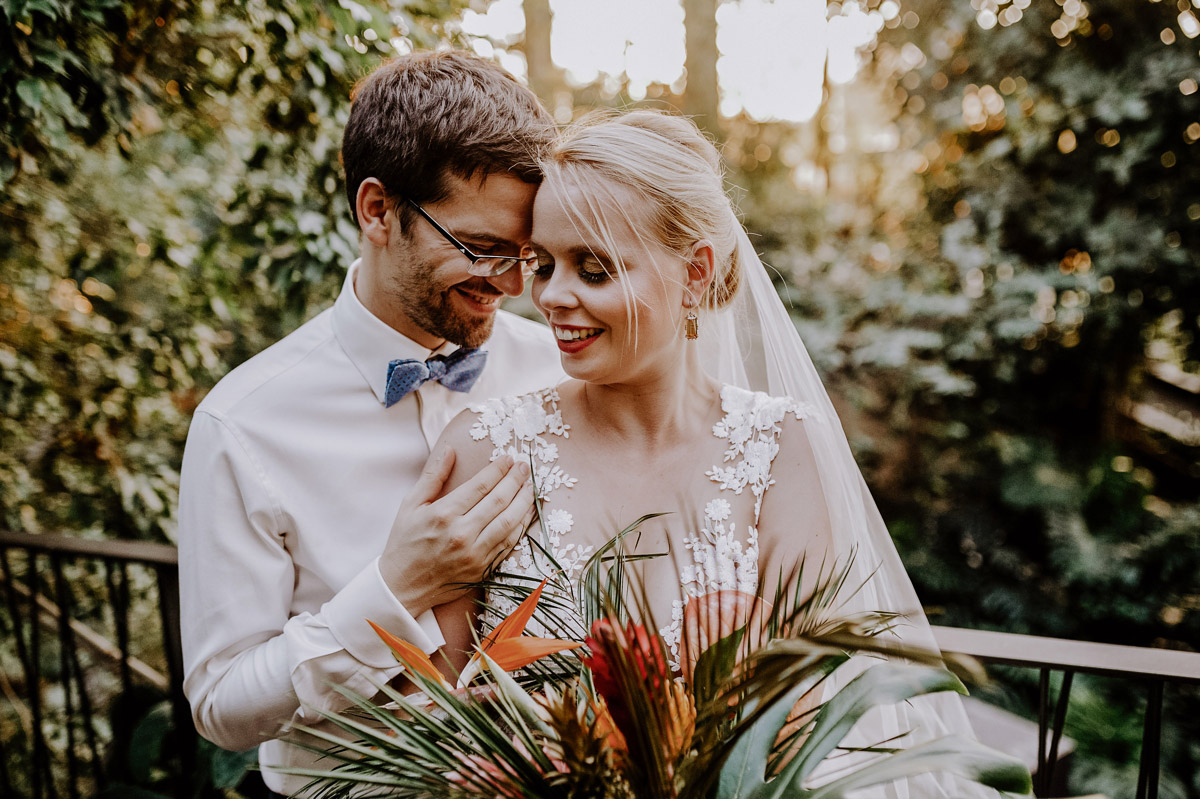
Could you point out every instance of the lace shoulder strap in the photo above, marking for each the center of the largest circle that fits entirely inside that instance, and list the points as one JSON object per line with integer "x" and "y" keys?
{"x": 752, "y": 424}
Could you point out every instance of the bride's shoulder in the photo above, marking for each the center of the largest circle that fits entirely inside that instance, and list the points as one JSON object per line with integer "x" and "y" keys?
{"x": 522, "y": 415}
{"x": 499, "y": 424}
{"x": 763, "y": 411}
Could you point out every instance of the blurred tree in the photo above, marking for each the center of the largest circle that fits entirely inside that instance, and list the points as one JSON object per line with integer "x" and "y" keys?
{"x": 545, "y": 78}
{"x": 1066, "y": 222}
{"x": 173, "y": 204}
{"x": 701, "y": 97}
{"x": 1019, "y": 243}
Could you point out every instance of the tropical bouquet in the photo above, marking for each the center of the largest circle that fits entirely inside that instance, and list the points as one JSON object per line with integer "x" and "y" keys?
{"x": 599, "y": 712}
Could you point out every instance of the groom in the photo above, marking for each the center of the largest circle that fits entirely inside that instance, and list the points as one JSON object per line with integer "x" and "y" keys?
{"x": 306, "y": 504}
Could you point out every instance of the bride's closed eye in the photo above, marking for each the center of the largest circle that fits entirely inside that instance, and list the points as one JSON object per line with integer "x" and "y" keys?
{"x": 591, "y": 269}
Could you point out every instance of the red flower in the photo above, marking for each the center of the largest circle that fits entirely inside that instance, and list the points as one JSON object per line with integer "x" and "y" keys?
{"x": 622, "y": 660}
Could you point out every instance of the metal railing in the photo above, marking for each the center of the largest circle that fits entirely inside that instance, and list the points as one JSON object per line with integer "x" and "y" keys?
{"x": 75, "y": 596}
{"x": 1156, "y": 667}
{"x": 87, "y": 621}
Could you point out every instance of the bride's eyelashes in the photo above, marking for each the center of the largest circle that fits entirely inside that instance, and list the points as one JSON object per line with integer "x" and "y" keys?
{"x": 593, "y": 270}
{"x": 544, "y": 267}
{"x": 590, "y": 268}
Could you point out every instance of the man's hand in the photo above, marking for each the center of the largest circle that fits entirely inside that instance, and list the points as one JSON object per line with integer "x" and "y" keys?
{"x": 436, "y": 545}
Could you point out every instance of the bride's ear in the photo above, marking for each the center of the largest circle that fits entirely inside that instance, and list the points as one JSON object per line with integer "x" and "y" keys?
{"x": 701, "y": 265}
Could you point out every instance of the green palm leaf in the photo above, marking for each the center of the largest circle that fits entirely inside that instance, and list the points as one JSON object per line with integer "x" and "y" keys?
{"x": 745, "y": 769}
{"x": 882, "y": 684}
{"x": 968, "y": 759}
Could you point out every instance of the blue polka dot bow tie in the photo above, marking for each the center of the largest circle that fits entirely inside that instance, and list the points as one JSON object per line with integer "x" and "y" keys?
{"x": 457, "y": 371}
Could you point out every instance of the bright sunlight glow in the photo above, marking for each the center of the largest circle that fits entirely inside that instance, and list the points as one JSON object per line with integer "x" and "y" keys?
{"x": 773, "y": 54}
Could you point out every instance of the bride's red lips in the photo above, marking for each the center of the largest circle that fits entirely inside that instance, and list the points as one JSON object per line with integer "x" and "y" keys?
{"x": 573, "y": 338}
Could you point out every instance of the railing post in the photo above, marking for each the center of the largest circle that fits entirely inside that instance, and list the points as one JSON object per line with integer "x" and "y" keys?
{"x": 185, "y": 731}
{"x": 66, "y": 644}
{"x": 1040, "y": 786}
{"x": 14, "y": 614}
{"x": 118, "y": 595}
{"x": 1148, "y": 765}
{"x": 33, "y": 681}
{"x": 1060, "y": 718}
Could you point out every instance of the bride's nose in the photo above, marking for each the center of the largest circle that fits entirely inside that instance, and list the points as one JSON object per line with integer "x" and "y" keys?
{"x": 555, "y": 291}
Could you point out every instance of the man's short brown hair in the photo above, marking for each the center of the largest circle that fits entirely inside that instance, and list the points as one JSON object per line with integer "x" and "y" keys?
{"x": 423, "y": 116}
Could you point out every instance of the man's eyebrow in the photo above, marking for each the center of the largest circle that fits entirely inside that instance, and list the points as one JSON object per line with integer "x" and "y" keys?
{"x": 480, "y": 237}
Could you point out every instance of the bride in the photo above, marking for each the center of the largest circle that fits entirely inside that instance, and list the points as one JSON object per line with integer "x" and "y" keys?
{"x": 667, "y": 323}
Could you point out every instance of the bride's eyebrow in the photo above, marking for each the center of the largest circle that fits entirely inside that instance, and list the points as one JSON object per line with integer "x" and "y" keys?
{"x": 576, "y": 251}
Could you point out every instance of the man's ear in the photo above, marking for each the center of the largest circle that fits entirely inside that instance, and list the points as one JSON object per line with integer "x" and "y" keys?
{"x": 371, "y": 204}
{"x": 701, "y": 266}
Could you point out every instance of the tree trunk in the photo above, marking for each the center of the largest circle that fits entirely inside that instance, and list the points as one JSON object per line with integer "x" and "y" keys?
{"x": 544, "y": 77}
{"x": 701, "y": 97}
{"x": 822, "y": 158}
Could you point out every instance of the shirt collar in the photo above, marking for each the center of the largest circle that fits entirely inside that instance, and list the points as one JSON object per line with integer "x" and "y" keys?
{"x": 369, "y": 342}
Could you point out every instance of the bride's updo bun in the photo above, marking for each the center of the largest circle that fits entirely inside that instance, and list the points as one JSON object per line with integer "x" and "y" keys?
{"x": 666, "y": 160}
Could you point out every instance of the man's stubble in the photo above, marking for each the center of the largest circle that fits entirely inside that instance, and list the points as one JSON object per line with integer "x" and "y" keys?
{"x": 426, "y": 301}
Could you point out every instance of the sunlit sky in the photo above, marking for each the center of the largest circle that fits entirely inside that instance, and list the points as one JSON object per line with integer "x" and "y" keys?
{"x": 772, "y": 53}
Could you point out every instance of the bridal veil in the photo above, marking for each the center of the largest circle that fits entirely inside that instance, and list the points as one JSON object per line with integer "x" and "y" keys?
{"x": 753, "y": 343}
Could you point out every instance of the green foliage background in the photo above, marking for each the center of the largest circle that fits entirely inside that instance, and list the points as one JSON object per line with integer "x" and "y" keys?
{"x": 983, "y": 296}
{"x": 172, "y": 205}
{"x": 985, "y": 304}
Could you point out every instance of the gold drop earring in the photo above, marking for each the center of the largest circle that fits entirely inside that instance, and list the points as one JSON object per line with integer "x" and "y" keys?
{"x": 691, "y": 326}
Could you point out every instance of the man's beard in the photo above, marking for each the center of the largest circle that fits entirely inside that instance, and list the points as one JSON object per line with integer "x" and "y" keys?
{"x": 429, "y": 305}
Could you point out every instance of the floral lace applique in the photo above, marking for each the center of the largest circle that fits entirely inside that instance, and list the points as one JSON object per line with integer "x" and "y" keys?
{"x": 518, "y": 426}
{"x": 752, "y": 423}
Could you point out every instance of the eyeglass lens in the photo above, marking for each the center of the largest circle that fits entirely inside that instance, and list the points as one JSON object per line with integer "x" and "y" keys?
{"x": 493, "y": 266}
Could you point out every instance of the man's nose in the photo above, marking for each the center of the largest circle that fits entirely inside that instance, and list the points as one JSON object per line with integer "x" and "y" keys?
{"x": 511, "y": 282}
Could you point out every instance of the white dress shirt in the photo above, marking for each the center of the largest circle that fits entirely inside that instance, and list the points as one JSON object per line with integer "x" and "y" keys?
{"x": 292, "y": 476}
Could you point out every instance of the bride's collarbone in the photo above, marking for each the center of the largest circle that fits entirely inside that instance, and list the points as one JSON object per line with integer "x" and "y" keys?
{"x": 681, "y": 447}
{"x": 643, "y": 437}
{"x": 611, "y": 466}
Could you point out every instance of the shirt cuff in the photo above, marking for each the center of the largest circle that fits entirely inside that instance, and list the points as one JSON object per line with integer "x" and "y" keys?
{"x": 368, "y": 597}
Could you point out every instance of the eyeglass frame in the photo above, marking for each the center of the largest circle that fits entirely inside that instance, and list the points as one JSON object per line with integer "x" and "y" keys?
{"x": 526, "y": 263}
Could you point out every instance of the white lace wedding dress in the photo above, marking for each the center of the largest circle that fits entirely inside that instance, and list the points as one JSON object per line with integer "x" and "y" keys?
{"x": 715, "y": 548}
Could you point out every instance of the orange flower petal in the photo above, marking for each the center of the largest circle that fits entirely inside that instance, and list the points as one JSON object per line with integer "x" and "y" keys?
{"x": 606, "y": 729}
{"x": 515, "y": 624}
{"x": 409, "y": 656}
{"x": 680, "y": 721}
{"x": 517, "y": 653}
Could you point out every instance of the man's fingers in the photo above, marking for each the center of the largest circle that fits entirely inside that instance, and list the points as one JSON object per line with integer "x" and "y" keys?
{"x": 503, "y": 532}
{"x": 507, "y": 545}
{"x": 498, "y": 499}
{"x": 434, "y": 475}
{"x": 463, "y": 499}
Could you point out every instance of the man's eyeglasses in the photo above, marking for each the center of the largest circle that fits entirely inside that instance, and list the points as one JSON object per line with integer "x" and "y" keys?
{"x": 481, "y": 265}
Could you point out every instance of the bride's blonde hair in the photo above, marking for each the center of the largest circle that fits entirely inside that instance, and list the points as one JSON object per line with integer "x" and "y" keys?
{"x": 664, "y": 160}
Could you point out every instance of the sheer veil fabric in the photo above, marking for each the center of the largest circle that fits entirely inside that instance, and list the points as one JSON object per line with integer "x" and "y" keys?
{"x": 753, "y": 343}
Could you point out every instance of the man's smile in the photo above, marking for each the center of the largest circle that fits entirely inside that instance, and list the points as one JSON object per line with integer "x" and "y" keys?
{"x": 482, "y": 301}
